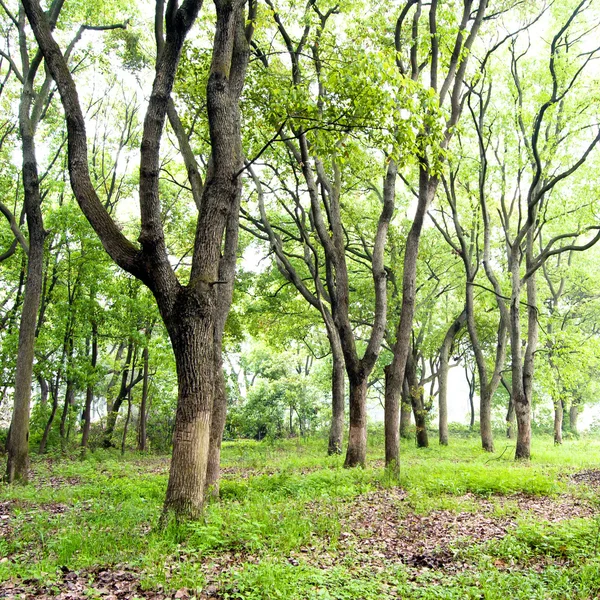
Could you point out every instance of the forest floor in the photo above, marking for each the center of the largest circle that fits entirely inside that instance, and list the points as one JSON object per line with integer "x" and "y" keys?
{"x": 292, "y": 523}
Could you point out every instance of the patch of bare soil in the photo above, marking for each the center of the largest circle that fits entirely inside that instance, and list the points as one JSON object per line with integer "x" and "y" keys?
{"x": 377, "y": 528}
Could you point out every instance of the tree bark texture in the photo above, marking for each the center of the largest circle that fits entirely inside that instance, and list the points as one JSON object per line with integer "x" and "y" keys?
{"x": 356, "y": 453}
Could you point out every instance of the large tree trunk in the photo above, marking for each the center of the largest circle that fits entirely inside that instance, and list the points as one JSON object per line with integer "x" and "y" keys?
{"x": 193, "y": 345}
{"x": 445, "y": 351}
{"x": 356, "y": 453}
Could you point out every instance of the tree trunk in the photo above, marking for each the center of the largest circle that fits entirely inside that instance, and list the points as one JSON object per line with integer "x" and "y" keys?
{"x": 510, "y": 420}
{"x": 193, "y": 345}
{"x": 46, "y": 434}
{"x": 126, "y": 426}
{"x": 89, "y": 391}
{"x": 558, "y": 421}
{"x": 44, "y": 391}
{"x": 401, "y": 350}
{"x": 338, "y": 396}
{"x": 219, "y": 415}
{"x": 142, "y": 435}
{"x": 573, "y": 416}
{"x": 66, "y": 414}
{"x": 445, "y": 351}
{"x": 18, "y": 444}
{"x": 356, "y": 453}
{"x": 111, "y": 418}
{"x": 416, "y": 397}
{"x": 405, "y": 411}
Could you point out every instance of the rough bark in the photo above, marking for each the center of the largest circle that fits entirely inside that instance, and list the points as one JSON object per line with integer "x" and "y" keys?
{"x": 356, "y": 453}
{"x": 445, "y": 352}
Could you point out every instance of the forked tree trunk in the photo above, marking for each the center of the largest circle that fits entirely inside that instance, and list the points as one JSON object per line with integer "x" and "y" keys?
{"x": 356, "y": 453}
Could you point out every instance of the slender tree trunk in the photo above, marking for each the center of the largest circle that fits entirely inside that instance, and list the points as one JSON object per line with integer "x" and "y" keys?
{"x": 396, "y": 369}
{"x": 356, "y": 453}
{"x": 18, "y": 444}
{"x": 338, "y": 394}
{"x": 558, "y": 421}
{"x": 53, "y": 411}
{"x": 405, "y": 411}
{"x": 89, "y": 391}
{"x": 142, "y": 435}
{"x": 44, "y": 391}
{"x": 128, "y": 418}
{"x": 111, "y": 418}
{"x": 66, "y": 414}
{"x": 510, "y": 420}
{"x": 219, "y": 415}
{"x": 445, "y": 351}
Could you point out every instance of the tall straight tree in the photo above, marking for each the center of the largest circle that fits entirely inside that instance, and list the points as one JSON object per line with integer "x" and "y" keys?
{"x": 191, "y": 310}
{"x": 447, "y": 85}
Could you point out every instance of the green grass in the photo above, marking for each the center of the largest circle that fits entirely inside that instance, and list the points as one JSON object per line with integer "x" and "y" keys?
{"x": 275, "y": 533}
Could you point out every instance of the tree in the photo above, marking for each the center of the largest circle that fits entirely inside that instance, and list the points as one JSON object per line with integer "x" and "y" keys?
{"x": 428, "y": 156}
{"x": 191, "y": 312}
